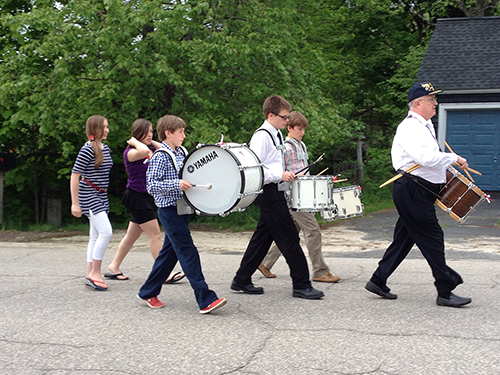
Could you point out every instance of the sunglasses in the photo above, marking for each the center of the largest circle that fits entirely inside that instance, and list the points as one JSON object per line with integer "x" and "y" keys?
{"x": 283, "y": 117}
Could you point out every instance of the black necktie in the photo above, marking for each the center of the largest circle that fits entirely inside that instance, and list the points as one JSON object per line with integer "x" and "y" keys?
{"x": 279, "y": 137}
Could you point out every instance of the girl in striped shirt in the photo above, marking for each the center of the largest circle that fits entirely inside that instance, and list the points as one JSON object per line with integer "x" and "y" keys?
{"x": 89, "y": 195}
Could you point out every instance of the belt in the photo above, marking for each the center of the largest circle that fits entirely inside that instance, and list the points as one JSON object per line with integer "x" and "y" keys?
{"x": 427, "y": 185}
{"x": 100, "y": 190}
{"x": 420, "y": 179}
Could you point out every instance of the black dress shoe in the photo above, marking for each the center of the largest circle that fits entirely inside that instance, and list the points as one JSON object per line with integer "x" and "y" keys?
{"x": 248, "y": 289}
{"x": 453, "y": 301}
{"x": 371, "y": 287}
{"x": 308, "y": 293}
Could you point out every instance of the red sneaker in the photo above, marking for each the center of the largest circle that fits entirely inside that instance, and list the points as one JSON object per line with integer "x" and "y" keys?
{"x": 153, "y": 302}
{"x": 214, "y": 306}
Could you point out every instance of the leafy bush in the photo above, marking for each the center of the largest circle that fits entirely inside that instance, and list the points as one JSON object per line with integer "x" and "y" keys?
{"x": 376, "y": 170}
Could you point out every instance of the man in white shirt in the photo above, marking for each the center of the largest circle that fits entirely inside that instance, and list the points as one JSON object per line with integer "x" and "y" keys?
{"x": 414, "y": 195}
{"x": 275, "y": 222}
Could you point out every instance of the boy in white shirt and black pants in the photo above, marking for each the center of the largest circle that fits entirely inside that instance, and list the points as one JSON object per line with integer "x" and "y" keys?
{"x": 275, "y": 222}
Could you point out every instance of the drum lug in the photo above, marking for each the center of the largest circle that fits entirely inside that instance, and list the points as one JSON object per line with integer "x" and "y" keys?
{"x": 241, "y": 195}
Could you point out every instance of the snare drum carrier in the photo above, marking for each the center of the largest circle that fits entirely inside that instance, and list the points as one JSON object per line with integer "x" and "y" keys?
{"x": 282, "y": 186}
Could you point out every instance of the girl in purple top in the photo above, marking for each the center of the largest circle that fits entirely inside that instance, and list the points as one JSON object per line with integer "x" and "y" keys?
{"x": 136, "y": 199}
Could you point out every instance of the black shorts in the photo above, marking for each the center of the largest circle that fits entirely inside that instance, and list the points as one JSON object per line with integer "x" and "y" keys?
{"x": 140, "y": 205}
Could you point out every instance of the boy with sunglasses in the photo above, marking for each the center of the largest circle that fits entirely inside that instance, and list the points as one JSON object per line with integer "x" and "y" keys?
{"x": 296, "y": 159}
{"x": 275, "y": 222}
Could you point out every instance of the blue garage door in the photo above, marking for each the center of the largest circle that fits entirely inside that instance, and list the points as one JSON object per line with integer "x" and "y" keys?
{"x": 475, "y": 135}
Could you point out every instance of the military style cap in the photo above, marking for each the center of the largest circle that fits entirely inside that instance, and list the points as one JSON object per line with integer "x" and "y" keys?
{"x": 422, "y": 89}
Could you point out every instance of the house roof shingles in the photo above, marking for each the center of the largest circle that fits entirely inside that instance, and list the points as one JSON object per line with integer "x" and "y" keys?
{"x": 464, "y": 54}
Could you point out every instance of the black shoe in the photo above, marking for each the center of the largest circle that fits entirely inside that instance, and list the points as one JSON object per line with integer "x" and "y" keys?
{"x": 371, "y": 287}
{"x": 453, "y": 301}
{"x": 308, "y": 293}
{"x": 248, "y": 289}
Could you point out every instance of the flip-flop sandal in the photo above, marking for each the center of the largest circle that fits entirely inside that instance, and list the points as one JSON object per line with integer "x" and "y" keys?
{"x": 174, "y": 279}
{"x": 92, "y": 284}
{"x": 114, "y": 276}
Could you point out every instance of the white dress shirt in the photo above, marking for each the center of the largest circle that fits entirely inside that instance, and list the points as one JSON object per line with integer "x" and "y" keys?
{"x": 415, "y": 142}
{"x": 269, "y": 153}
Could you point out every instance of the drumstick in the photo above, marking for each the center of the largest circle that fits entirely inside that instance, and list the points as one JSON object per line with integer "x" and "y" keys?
{"x": 305, "y": 169}
{"x": 474, "y": 171}
{"x": 465, "y": 170}
{"x": 207, "y": 186}
{"x": 345, "y": 179}
{"x": 323, "y": 171}
{"x": 398, "y": 176}
{"x": 467, "y": 173}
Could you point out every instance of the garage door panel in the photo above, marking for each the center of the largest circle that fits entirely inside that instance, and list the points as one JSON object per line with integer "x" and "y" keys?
{"x": 475, "y": 135}
{"x": 487, "y": 139}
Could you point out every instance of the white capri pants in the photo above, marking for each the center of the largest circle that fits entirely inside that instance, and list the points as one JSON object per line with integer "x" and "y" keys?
{"x": 100, "y": 235}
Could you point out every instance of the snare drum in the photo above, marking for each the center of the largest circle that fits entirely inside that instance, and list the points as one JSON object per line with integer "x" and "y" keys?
{"x": 459, "y": 196}
{"x": 234, "y": 172}
{"x": 329, "y": 215}
{"x": 347, "y": 203}
{"x": 311, "y": 193}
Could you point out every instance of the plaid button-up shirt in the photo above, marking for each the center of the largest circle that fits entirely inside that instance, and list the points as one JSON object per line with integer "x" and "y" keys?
{"x": 162, "y": 179}
{"x": 296, "y": 157}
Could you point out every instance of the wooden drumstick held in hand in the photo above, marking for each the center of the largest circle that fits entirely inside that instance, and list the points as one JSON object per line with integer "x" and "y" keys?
{"x": 474, "y": 171}
{"x": 469, "y": 168}
{"x": 465, "y": 170}
{"x": 207, "y": 186}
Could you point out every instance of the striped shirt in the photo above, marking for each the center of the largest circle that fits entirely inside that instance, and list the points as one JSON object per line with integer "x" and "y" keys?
{"x": 88, "y": 197}
{"x": 162, "y": 179}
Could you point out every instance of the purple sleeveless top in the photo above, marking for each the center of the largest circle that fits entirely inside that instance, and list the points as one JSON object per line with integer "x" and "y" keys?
{"x": 136, "y": 172}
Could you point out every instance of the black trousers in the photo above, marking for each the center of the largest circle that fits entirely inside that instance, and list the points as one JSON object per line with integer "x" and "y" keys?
{"x": 275, "y": 224}
{"x": 417, "y": 224}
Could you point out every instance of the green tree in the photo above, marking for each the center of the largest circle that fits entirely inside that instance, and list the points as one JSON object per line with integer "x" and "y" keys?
{"x": 210, "y": 62}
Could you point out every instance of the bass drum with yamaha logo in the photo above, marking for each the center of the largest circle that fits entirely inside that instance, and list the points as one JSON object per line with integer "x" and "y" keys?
{"x": 226, "y": 178}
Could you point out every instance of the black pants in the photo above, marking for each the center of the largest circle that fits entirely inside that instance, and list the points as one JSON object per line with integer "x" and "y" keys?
{"x": 275, "y": 224}
{"x": 417, "y": 224}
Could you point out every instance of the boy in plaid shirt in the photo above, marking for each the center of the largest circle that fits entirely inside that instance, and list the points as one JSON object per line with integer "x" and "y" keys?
{"x": 164, "y": 184}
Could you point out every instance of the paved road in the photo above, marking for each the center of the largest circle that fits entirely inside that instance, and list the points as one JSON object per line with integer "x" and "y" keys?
{"x": 51, "y": 324}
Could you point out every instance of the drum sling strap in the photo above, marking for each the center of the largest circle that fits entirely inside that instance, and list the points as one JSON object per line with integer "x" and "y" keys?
{"x": 415, "y": 179}
{"x": 172, "y": 156}
{"x": 268, "y": 132}
{"x": 182, "y": 207}
{"x": 281, "y": 148}
{"x": 282, "y": 186}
